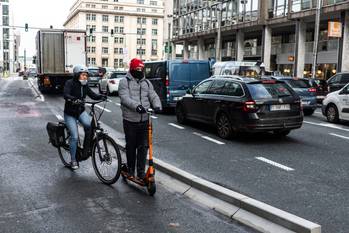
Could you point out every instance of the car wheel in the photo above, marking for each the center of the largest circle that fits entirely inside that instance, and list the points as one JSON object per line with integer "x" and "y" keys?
{"x": 281, "y": 133}
{"x": 180, "y": 114}
{"x": 223, "y": 126}
{"x": 332, "y": 114}
{"x": 308, "y": 112}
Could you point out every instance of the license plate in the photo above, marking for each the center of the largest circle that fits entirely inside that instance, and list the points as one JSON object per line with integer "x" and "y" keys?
{"x": 280, "y": 107}
{"x": 305, "y": 102}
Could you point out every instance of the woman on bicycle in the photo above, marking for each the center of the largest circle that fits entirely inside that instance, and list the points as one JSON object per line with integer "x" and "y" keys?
{"x": 75, "y": 92}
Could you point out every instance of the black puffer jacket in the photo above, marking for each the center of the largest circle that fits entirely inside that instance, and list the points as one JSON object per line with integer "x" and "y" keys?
{"x": 73, "y": 90}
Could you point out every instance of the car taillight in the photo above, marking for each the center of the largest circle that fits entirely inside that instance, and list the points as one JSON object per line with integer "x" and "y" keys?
{"x": 250, "y": 106}
{"x": 167, "y": 82}
{"x": 312, "y": 89}
{"x": 112, "y": 81}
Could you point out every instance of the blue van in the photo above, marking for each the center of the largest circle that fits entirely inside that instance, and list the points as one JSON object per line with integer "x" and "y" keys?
{"x": 172, "y": 78}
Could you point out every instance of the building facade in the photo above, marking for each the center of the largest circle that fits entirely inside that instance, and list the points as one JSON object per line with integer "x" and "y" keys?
{"x": 279, "y": 33}
{"x": 7, "y": 39}
{"x": 121, "y": 30}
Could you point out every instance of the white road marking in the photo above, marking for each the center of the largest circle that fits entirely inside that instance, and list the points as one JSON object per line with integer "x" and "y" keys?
{"x": 318, "y": 113}
{"x": 105, "y": 109}
{"x": 59, "y": 117}
{"x": 340, "y": 136}
{"x": 176, "y": 126}
{"x": 208, "y": 138}
{"x": 213, "y": 140}
{"x": 154, "y": 117}
{"x": 275, "y": 164}
{"x": 328, "y": 125}
{"x": 117, "y": 104}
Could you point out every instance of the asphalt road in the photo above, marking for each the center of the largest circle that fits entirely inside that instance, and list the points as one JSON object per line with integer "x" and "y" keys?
{"x": 305, "y": 173}
{"x": 37, "y": 194}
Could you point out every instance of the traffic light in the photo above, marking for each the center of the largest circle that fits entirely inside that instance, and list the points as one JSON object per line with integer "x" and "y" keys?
{"x": 26, "y": 27}
{"x": 112, "y": 32}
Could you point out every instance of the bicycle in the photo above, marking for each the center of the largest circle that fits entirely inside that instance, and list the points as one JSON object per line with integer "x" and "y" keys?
{"x": 104, "y": 150}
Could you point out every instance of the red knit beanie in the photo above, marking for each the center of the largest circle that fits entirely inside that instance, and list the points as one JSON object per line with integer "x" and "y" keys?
{"x": 136, "y": 63}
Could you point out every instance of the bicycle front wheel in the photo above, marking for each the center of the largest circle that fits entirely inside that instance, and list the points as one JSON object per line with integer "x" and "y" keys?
{"x": 106, "y": 160}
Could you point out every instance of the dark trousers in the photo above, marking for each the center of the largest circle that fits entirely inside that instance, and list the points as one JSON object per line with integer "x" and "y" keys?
{"x": 136, "y": 135}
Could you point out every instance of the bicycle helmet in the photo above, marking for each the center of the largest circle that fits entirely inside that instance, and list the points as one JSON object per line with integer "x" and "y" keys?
{"x": 78, "y": 69}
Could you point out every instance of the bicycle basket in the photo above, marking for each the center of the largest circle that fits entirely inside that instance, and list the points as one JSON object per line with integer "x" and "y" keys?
{"x": 55, "y": 131}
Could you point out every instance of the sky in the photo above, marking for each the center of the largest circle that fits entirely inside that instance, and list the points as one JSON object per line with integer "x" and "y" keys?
{"x": 38, "y": 13}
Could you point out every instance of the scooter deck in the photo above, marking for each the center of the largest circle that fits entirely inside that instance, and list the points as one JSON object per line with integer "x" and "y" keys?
{"x": 133, "y": 179}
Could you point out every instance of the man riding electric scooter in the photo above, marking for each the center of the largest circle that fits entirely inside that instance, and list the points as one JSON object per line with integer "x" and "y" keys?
{"x": 137, "y": 95}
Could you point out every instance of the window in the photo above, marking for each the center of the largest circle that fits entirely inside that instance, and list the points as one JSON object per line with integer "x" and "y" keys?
{"x": 104, "y": 39}
{"x": 104, "y": 7}
{"x": 105, "y": 50}
{"x": 154, "y": 21}
{"x": 141, "y": 41}
{"x": 232, "y": 89}
{"x": 116, "y": 0}
{"x": 121, "y": 40}
{"x": 93, "y": 49}
{"x": 93, "y": 28}
{"x": 268, "y": 91}
{"x": 88, "y": 17}
{"x": 140, "y": 10}
{"x": 116, "y": 50}
{"x": 105, "y": 18}
{"x": 217, "y": 87}
{"x": 105, "y": 29}
{"x": 154, "y": 11}
{"x": 5, "y": 9}
{"x": 121, "y": 50}
{"x": 116, "y": 40}
{"x": 121, "y": 30}
{"x": 88, "y": 5}
{"x": 5, "y": 21}
{"x": 122, "y": 19}
{"x": 93, "y": 6}
{"x": 154, "y": 52}
{"x": 116, "y": 63}
{"x": 91, "y": 39}
{"x": 345, "y": 78}
{"x": 141, "y": 31}
{"x": 105, "y": 62}
{"x": 6, "y": 44}
{"x": 91, "y": 61}
{"x": 140, "y": 1}
{"x": 116, "y": 29}
{"x": 154, "y": 44}
{"x": 335, "y": 79}
{"x": 154, "y": 32}
{"x": 203, "y": 87}
{"x": 93, "y": 17}
{"x": 121, "y": 8}
{"x": 116, "y": 19}
{"x": 88, "y": 49}
{"x": 121, "y": 62}
{"x": 140, "y": 51}
{"x": 141, "y": 20}
{"x": 153, "y": 3}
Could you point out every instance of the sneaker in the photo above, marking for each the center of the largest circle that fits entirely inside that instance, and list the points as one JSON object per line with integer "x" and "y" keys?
{"x": 74, "y": 165}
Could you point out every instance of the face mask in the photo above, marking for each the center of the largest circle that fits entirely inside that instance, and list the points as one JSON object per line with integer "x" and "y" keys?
{"x": 137, "y": 74}
{"x": 83, "y": 82}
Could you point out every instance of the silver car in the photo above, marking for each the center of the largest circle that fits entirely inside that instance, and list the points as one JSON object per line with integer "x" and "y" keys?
{"x": 110, "y": 82}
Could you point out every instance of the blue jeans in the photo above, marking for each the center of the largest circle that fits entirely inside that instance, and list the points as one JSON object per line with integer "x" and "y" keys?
{"x": 72, "y": 125}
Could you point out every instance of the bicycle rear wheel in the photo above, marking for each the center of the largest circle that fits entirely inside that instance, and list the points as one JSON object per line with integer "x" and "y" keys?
{"x": 107, "y": 163}
{"x": 64, "y": 151}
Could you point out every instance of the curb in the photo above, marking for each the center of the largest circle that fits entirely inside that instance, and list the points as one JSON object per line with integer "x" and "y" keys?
{"x": 39, "y": 95}
{"x": 244, "y": 203}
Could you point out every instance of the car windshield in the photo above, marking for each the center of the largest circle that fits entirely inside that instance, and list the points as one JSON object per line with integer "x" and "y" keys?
{"x": 300, "y": 83}
{"x": 268, "y": 90}
{"x": 93, "y": 72}
{"x": 117, "y": 75}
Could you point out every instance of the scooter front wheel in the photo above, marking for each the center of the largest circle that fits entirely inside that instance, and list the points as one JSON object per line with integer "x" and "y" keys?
{"x": 151, "y": 187}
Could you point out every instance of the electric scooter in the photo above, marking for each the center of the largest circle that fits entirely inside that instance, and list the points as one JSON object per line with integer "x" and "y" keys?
{"x": 149, "y": 179}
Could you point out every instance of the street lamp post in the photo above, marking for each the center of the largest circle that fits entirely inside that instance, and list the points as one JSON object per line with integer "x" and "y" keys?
{"x": 316, "y": 37}
{"x": 169, "y": 38}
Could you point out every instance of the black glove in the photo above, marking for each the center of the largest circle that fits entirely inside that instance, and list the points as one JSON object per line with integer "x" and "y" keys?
{"x": 157, "y": 110}
{"x": 140, "y": 109}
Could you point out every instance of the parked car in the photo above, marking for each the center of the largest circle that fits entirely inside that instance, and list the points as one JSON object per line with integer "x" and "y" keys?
{"x": 172, "y": 78}
{"x": 336, "y": 105}
{"x": 31, "y": 72}
{"x": 94, "y": 75}
{"x": 303, "y": 88}
{"x": 337, "y": 82}
{"x": 321, "y": 88}
{"x": 242, "y": 105}
{"x": 110, "y": 82}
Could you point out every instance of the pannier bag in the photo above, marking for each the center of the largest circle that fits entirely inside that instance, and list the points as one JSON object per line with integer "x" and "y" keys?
{"x": 55, "y": 131}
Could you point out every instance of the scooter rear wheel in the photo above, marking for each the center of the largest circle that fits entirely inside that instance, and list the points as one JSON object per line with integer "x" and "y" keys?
{"x": 151, "y": 187}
